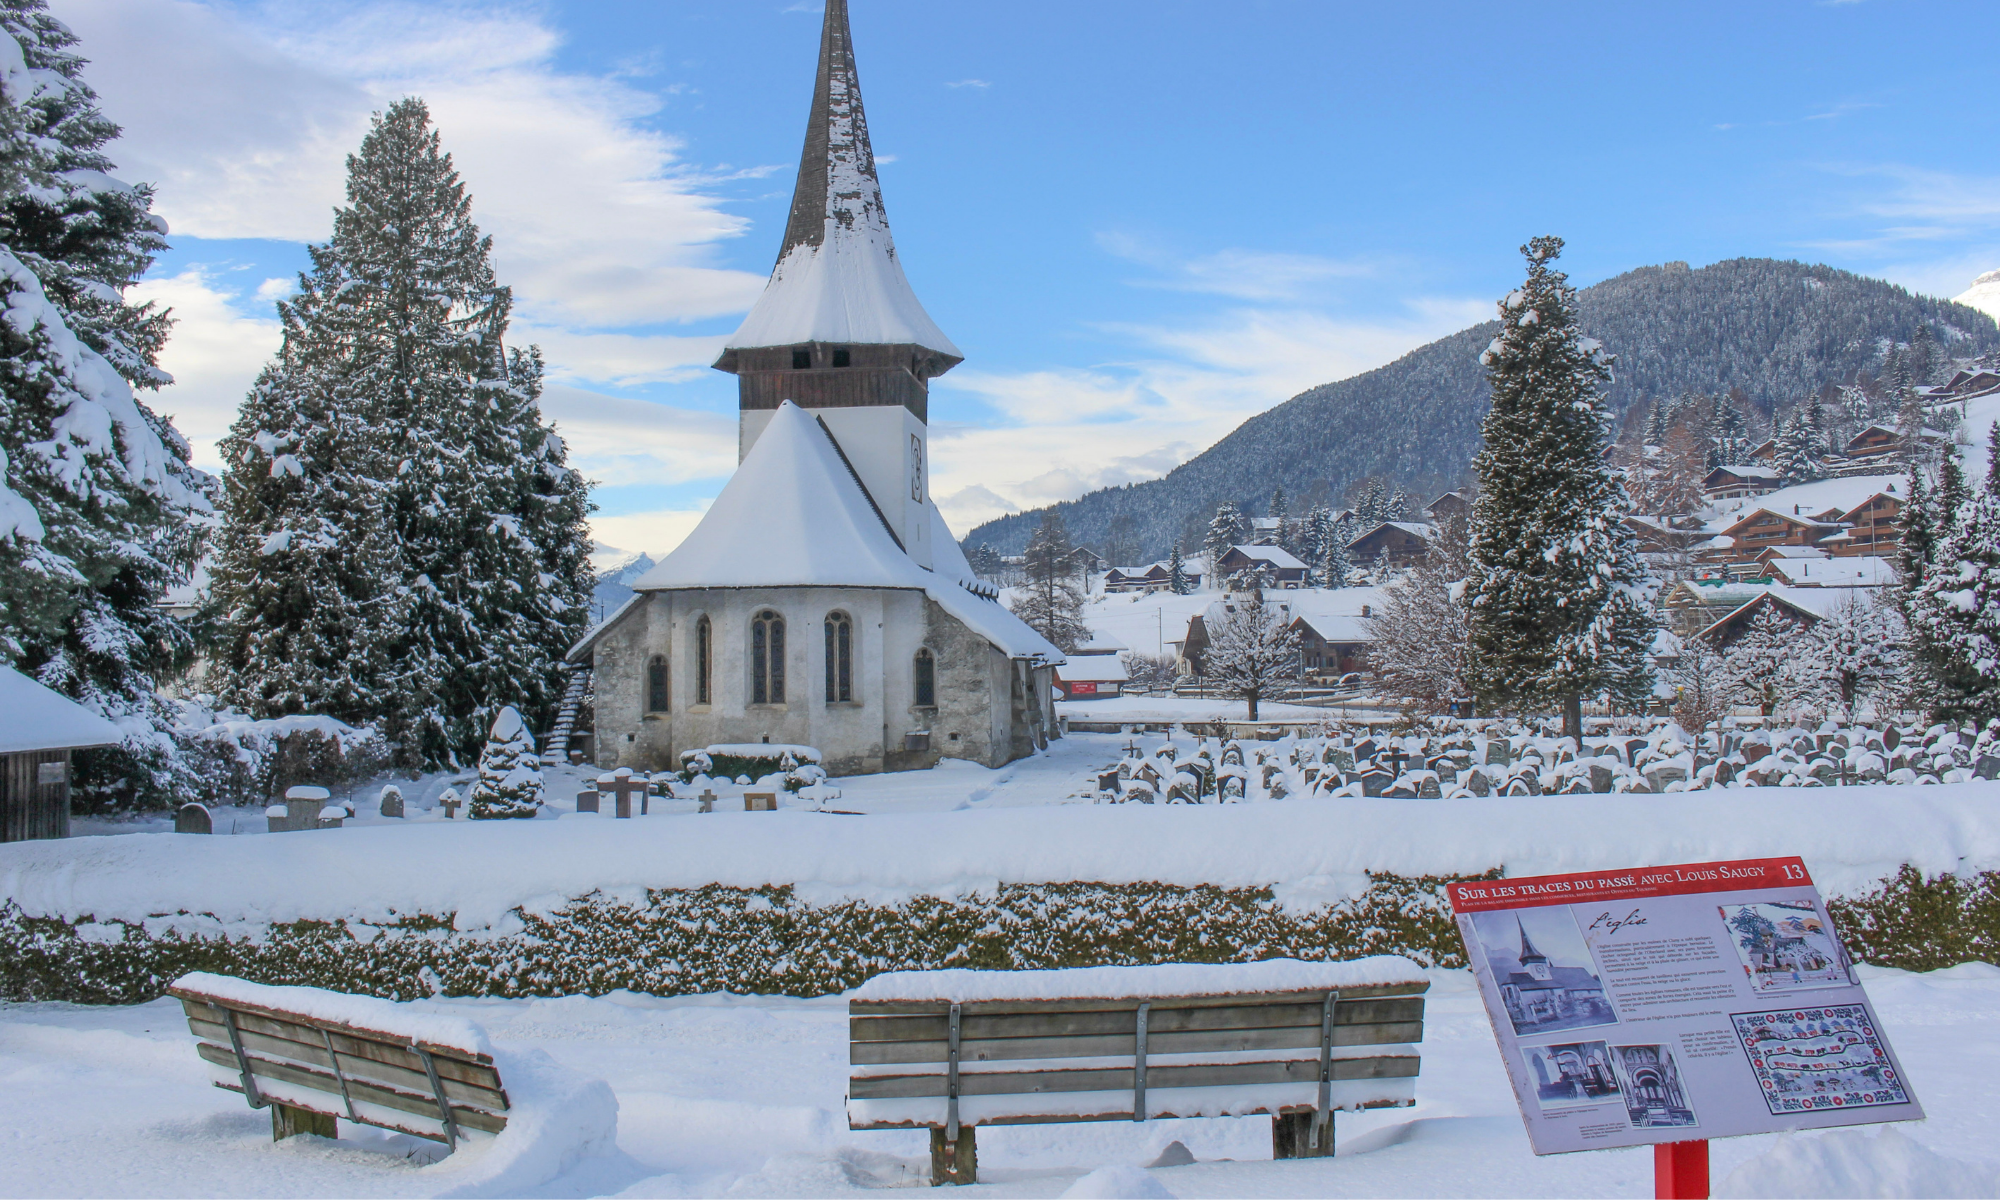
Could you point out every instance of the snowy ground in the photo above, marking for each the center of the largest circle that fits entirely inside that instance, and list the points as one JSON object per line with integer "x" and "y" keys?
{"x": 738, "y": 1096}
{"x": 1157, "y": 710}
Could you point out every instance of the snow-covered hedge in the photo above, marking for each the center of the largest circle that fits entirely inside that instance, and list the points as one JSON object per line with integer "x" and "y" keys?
{"x": 755, "y": 759}
{"x": 238, "y": 761}
{"x": 802, "y": 904}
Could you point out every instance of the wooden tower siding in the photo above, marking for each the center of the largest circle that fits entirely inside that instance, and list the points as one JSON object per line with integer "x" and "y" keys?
{"x": 874, "y": 375}
{"x": 30, "y": 809}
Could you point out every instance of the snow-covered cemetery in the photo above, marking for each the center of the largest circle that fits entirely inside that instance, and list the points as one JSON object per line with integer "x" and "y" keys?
{"x": 1559, "y": 757}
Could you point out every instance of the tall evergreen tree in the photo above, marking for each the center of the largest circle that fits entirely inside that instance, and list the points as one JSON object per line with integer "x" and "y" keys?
{"x": 394, "y": 380}
{"x": 1955, "y": 611}
{"x": 1177, "y": 580}
{"x": 1334, "y": 564}
{"x": 96, "y": 493}
{"x": 1049, "y": 600}
{"x": 1731, "y": 433}
{"x": 1559, "y": 608}
{"x": 1226, "y": 529}
{"x": 1801, "y": 448}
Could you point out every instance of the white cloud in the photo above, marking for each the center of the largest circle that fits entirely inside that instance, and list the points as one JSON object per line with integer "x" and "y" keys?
{"x": 969, "y": 83}
{"x": 243, "y": 118}
{"x": 656, "y": 532}
{"x": 1236, "y": 273}
{"x": 214, "y": 355}
{"x": 615, "y": 440}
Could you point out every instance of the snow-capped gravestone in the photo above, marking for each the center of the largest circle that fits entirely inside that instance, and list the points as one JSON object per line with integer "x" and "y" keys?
{"x": 391, "y": 801}
{"x": 193, "y": 818}
{"x": 510, "y": 773}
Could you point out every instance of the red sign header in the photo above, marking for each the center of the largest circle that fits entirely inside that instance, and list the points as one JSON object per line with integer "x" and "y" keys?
{"x": 1635, "y": 884}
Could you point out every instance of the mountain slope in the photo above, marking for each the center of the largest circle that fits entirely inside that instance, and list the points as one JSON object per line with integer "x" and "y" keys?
{"x": 1776, "y": 330}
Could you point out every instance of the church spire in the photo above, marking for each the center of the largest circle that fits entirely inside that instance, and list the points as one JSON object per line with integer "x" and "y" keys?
{"x": 1528, "y": 950}
{"x": 838, "y": 280}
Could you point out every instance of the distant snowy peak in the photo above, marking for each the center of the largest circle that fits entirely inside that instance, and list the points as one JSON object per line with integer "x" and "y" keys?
{"x": 1984, "y": 295}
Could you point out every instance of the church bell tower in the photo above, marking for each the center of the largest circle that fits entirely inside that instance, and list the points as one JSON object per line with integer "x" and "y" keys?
{"x": 838, "y": 330}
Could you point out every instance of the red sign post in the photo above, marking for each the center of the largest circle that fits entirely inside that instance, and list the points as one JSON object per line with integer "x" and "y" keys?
{"x": 1666, "y": 1006}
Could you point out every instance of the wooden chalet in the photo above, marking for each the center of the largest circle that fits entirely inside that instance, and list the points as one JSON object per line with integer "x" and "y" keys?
{"x": 1154, "y": 578}
{"x": 1765, "y": 454}
{"x": 1451, "y": 507}
{"x": 39, "y": 728}
{"x": 1732, "y": 625}
{"x": 1726, "y": 483}
{"x": 1761, "y": 529}
{"x": 1879, "y": 441}
{"x": 1874, "y": 528}
{"x": 1399, "y": 543}
{"x": 1284, "y": 570}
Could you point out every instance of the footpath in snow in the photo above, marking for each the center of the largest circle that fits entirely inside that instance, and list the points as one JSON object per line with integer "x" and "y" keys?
{"x": 721, "y": 1095}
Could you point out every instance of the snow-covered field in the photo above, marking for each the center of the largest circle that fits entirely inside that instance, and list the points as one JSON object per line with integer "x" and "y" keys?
{"x": 742, "y": 1096}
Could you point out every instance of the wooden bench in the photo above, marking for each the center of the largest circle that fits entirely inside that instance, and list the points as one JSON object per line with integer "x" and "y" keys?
{"x": 310, "y": 1071}
{"x": 1295, "y": 1053}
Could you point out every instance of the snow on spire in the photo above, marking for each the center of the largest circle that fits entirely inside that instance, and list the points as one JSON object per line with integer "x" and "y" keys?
{"x": 837, "y": 277}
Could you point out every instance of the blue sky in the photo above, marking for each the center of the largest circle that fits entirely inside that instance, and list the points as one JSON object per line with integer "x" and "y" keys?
{"x": 1142, "y": 222}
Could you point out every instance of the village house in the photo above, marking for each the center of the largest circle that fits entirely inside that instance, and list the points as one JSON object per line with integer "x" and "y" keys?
{"x": 39, "y": 730}
{"x": 1398, "y": 544}
{"x": 1280, "y": 567}
{"x": 1725, "y": 483}
{"x": 822, "y": 600}
{"x": 1154, "y": 577}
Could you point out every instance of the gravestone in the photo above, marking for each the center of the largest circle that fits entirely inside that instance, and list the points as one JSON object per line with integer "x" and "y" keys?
{"x": 450, "y": 800}
{"x": 587, "y": 801}
{"x": 193, "y": 818}
{"x": 1988, "y": 767}
{"x": 707, "y": 801}
{"x": 303, "y": 803}
{"x": 278, "y": 819}
{"x": 623, "y": 789}
{"x": 1601, "y": 777}
{"x": 392, "y": 801}
{"x": 760, "y": 802}
{"x": 330, "y": 817}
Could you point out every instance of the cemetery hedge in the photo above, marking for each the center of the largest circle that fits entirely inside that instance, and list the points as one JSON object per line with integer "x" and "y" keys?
{"x": 767, "y": 940}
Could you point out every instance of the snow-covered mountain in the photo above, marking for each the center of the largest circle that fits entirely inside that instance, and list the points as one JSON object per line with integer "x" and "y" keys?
{"x": 1984, "y": 295}
{"x": 617, "y": 571}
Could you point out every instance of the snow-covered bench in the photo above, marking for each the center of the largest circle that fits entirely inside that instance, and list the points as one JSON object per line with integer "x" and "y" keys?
{"x": 312, "y": 1056}
{"x": 952, "y": 1050}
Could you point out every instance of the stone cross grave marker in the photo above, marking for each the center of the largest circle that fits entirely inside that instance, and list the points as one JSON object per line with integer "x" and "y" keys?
{"x": 624, "y": 789}
{"x": 707, "y": 800}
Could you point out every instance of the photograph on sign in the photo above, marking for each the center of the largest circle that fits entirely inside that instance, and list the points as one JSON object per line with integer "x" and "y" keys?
{"x": 1785, "y": 945}
{"x": 1651, "y": 1083}
{"x": 1642, "y": 1007}
{"x": 1547, "y": 978}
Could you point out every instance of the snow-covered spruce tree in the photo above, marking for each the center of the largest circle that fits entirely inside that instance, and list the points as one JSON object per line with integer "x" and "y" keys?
{"x": 97, "y": 500}
{"x": 404, "y": 320}
{"x": 1858, "y": 651}
{"x": 1334, "y": 564}
{"x": 1227, "y": 528}
{"x": 1729, "y": 433}
{"x": 1419, "y": 638}
{"x": 1559, "y": 603}
{"x": 1177, "y": 580}
{"x": 510, "y": 773}
{"x": 1801, "y": 448}
{"x": 1955, "y": 612}
{"x": 1252, "y": 648}
{"x": 1049, "y": 599}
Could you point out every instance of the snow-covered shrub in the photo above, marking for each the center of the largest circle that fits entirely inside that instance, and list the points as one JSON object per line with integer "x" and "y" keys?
{"x": 238, "y": 761}
{"x": 744, "y": 761}
{"x": 510, "y": 772}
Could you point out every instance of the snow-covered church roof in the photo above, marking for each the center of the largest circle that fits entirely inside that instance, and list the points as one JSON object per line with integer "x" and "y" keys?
{"x": 795, "y": 515}
{"x": 838, "y": 278}
{"x": 34, "y": 717}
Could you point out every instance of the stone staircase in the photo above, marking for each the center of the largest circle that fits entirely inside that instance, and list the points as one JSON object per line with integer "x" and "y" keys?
{"x": 555, "y": 747}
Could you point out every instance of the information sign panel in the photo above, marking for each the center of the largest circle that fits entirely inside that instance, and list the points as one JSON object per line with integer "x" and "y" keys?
{"x": 1673, "y": 1004}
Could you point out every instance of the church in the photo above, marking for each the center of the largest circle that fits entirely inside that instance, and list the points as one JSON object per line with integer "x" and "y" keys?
{"x": 822, "y": 601}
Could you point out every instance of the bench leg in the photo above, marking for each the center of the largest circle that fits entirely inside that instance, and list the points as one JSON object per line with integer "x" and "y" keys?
{"x": 954, "y": 1164}
{"x": 287, "y": 1121}
{"x": 1291, "y": 1136}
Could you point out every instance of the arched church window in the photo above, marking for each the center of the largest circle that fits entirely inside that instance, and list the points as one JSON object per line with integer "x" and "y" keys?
{"x": 802, "y": 360}
{"x": 702, "y": 662}
{"x": 839, "y": 658}
{"x": 767, "y": 658}
{"x": 656, "y": 684}
{"x": 926, "y": 679}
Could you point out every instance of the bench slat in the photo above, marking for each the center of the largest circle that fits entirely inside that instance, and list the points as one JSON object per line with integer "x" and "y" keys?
{"x": 1231, "y": 1000}
{"x": 1155, "y": 1114}
{"x": 352, "y": 1066}
{"x": 321, "y": 1081}
{"x": 1163, "y": 1017}
{"x": 1107, "y": 1045}
{"x": 395, "y": 1055}
{"x": 1107, "y": 1079}
{"x": 458, "y": 1053}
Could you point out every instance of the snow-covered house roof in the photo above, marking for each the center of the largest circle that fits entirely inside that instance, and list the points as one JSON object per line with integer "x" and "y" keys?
{"x": 1854, "y": 571}
{"x": 1338, "y": 614}
{"x": 34, "y": 717}
{"x": 1274, "y": 555}
{"x": 1098, "y": 642}
{"x": 795, "y": 515}
{"x": 1093, "y": 668}
{"x": 1811, "y": 499}
{"x": 838, "y": 278}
